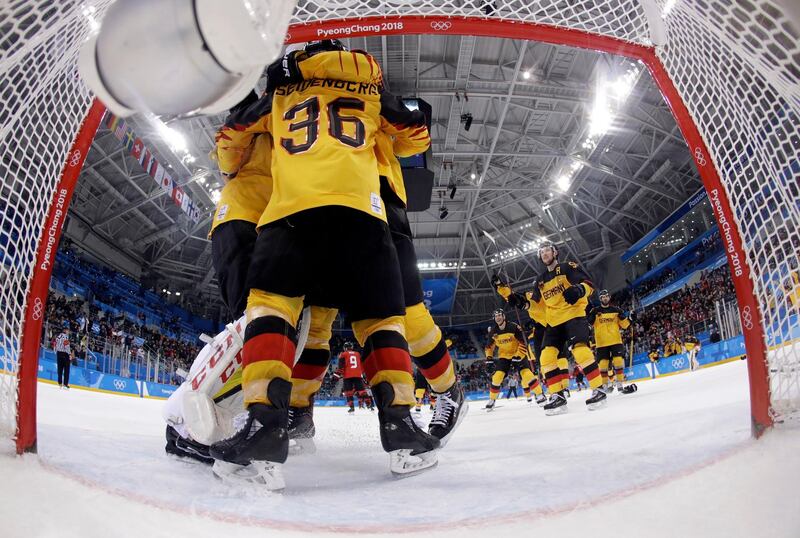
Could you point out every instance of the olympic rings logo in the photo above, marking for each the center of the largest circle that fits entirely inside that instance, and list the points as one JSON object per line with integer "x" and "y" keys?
{"x": 677, "y": 363}
{"x": 75, "y": 158}
{"x": 747, "y": 318}
{"x": 38, "y": 309}
{"x": 440, "y": 26}
{"x": 700, "y": 157}
{"x": 119, "y": 384}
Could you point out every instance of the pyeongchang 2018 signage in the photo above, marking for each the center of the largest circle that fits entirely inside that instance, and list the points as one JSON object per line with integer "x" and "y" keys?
{"x": 439, "y": 294}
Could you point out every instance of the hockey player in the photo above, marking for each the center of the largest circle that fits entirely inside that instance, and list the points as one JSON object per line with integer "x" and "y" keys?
{"x": 579, "y": 377}
{"x": 692, "y": 346}
{"x": 537, "y": 312}
{"x": 421, "y": 387}
{"x": 350, "y": 370}
{"x": 608, "y": 322}
{"x": 506, "y": 337}
{"x": 427, "y": 347}
{"x": 325, "y": 197}
{"x": 564, "y": 288}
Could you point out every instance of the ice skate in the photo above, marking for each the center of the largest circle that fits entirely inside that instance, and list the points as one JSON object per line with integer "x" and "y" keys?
{"x": 351, "y": 410}
{"x": 410, "y": 449}
{"x": 449, "y": 412}
{"x": 541, "y": 399}
{"x": 597, "y": 400}
{"x": 260, "y": 443}
{"x": 608, "y": 389}
{"x": 490, "y": 405}
{"x": 566, "y": 393}
{"x": 618, "y": 385}
{"x": 301, "y": 430}
{"x": 557, "y": 405}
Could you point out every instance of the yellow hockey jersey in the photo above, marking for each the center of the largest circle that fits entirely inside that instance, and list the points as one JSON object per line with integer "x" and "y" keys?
{"x": 552, "y": 285}
{"x": 508, "y": 341}
{"x": 537, "y": 311}
{"x": 245, "y": 196}
{"x": 608, "y": 323}
{"x": 324, "y": 131}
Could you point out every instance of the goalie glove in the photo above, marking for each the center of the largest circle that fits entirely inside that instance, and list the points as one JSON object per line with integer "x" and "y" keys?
{"x": 574, "y": 293}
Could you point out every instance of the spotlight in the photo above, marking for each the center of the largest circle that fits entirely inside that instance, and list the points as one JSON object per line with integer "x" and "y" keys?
{"x": 452, "y": 191}
{"x": 466, "y": 119}
{"x": 443, "y": 213}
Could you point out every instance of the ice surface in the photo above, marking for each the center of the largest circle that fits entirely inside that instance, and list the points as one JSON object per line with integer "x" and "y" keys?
{"x": 674, "y": 459}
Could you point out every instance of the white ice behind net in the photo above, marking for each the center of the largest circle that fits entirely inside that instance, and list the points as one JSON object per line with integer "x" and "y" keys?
{"x": 737, "y": 69}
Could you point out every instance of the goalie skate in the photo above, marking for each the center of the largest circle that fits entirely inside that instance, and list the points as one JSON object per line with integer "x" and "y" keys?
{"x": 264, "y": 473}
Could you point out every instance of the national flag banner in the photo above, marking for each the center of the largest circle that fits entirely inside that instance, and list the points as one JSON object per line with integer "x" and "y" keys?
{"x": 155, "y": 166}
{"x": 186, "y": 205}
{"x": 128, "y": 139}
{"x": 177, "y": 196}
{"x": 146, "y": 158}
{"x": 167, "y": 184}
{"x": 119, "y": 132}
{"x": 137, "y": 150}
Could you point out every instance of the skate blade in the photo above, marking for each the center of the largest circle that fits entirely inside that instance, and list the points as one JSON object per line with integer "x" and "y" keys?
{"x": 598, "y": 405}
{"x": 403, "y": 465}
{"x": 300, "y": 446}
{"x": 557, "y": 411}
{"x": 461, "y": 414}
{"x": 262, "y": 473}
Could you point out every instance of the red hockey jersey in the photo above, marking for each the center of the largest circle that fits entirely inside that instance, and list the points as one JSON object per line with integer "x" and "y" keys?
{"x": 350, "y": 364}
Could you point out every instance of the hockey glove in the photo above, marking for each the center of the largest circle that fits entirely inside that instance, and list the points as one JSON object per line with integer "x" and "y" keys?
{"x": 496, "y": 281}
{"x": 536, "y": 292}
{"x": 515, "y": 300}
{"x": 284, "y": 71}
{"x": 574, "y": 293}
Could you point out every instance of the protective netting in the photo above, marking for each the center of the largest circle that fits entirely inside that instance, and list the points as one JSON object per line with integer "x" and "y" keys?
{"x": 736, "y": 68}
{"x": 42, "y": 104}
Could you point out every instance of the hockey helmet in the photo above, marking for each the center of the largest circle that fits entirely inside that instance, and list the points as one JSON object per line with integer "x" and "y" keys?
{"x": 348, "y": 346}
{"x": 324, "y": 45}
{"x": 499, "y": 312}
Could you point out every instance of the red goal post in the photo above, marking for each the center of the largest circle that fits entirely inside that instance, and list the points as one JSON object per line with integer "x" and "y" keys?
{"x": 728, "y": 75}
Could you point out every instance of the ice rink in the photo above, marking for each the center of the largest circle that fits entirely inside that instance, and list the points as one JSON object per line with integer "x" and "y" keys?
{"x": 674, "y": 459}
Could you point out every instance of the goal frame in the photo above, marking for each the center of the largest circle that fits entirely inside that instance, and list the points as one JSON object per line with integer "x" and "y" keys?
{"x": 749, "y": 311}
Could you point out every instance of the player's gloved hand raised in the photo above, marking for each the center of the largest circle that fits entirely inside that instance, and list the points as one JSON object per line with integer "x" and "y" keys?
{"x": 496, "y": 280}
{"x": 284, "y": 71}
{"x": 574, "y": 293}
{"x": 515, "y": 300}
{"x": 536, "y": 291}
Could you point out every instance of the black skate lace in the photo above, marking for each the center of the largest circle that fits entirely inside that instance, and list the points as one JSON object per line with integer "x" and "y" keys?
{"x": 444, "y": 408}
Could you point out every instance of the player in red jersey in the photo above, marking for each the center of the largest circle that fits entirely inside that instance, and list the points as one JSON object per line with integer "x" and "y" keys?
{"x": 350, "y": 369}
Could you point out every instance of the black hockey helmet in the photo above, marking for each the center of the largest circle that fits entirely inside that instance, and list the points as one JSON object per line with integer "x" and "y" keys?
{"x": 324, "y": 45}
{"x": 348, "y": 346}
{"x": 603, "y": 293}
{"x": 499, "y": 311}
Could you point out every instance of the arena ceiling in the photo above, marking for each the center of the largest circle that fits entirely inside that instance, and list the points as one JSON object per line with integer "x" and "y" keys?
{"x": 569, "y": 145}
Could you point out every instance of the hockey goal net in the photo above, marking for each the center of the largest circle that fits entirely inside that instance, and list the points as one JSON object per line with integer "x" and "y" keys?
{"x": 730, "y": 74}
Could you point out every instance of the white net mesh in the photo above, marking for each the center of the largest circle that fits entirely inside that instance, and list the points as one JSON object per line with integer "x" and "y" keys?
{"x": 735, "y": 67}
{"x": 738, "y": 71}
{"x": 42, "y": 103}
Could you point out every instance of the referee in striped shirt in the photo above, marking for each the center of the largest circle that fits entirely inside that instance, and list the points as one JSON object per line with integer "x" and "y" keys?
{"x": 63, "y": 357}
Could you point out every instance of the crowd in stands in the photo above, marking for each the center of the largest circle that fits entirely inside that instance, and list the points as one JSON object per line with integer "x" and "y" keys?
{"x": 682, "y": 310}
{"x": 98, "y": 330}
{"x": 709, "y": 246}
